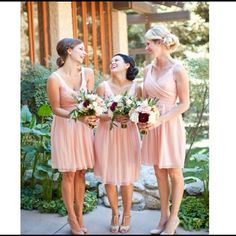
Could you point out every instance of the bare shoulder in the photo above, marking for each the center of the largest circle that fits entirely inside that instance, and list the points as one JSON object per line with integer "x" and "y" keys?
{"x": 88, "y": 71}
{"x": 179, "y": 71}
{"x": 52, "y": 78}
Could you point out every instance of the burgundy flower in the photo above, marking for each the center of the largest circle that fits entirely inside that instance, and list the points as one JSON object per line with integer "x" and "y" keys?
{"x": 86, "y": 103}
{"x": 113, "y": 106}
{"x": 143, "y": 117}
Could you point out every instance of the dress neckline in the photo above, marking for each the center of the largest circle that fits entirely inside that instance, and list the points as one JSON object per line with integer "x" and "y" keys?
{"x": 113, "y": 94}
{"x": 63, "y": 81}
{"x": 162, "y": 74}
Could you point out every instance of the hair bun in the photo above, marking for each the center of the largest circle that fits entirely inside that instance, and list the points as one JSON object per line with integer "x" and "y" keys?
{"x": 60, "y": 62}
{"x": 132, "y": 72}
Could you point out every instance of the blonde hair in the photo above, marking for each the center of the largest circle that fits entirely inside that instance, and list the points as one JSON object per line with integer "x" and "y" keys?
{"x": 160, "y": 32}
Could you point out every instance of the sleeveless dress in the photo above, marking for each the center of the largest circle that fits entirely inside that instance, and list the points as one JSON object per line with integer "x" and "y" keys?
{"x": 117, "y": 151}
{"x": 164, "y": 146}
{"x": 72, "y": 142}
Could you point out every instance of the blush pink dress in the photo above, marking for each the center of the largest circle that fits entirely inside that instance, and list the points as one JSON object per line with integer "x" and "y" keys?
{"x": 164, "y": 146}
{"x": 72, "y": 143}
{"x": 117, "y": 151}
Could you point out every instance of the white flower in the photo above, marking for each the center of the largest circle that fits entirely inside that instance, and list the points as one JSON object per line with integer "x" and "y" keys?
{"x": 134, "y": 117}
{"x": 117, "y": 98}
{"x": 152, "y": 118}
{"x": 110, "y": 113}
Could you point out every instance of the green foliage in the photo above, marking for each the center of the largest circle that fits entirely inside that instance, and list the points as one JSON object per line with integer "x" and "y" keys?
{"x": 198, "y": 167}
{"x": 194, "y": 213}
{"x": 32, "y": 199}
{"x": 193, "y": 34}
{"x": 33, "y": 85}
{"x": 196, "y": 118}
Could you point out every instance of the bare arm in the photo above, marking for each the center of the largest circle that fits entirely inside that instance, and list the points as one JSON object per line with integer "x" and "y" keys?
{"x": 54, "y": 97}
{"x": 138, "y": 91}
{"x": 90, "y": 79}
{"x": 144, "y": 92}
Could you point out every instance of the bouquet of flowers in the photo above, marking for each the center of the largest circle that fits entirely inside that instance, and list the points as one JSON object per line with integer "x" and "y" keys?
{"x": 120, "y": 105}
{"x": 88, "y": 104}
{"x": 145, "y": 111}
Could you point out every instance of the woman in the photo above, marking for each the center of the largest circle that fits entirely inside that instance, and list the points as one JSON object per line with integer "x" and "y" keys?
{"x": 164, "y": 145}
{"x": 72, "y": 142}
{"x": 118, "y": 150}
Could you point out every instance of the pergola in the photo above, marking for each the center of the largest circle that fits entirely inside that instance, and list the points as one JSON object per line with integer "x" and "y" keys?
{"x": 147, "y": 13}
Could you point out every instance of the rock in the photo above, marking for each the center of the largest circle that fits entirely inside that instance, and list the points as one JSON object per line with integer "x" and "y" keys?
{"x": 91, "y": 181}
{"x": 101, "y": 190}
{"x": 194, "y": 188}
{"x": 150, "y": 182}
{"x": 154, "y": 193}
{"x": 138, "y": 206}
{"x": 137, "y": 198}
{"x": 138, "y": 186}
{"x": 152, "y": 202}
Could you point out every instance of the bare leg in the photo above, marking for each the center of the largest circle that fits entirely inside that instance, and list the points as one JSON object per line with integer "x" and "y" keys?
{"x": 79, "y": 195}
{"x": 68, "y": 198}
{"x": 164, "y": 190}
{"x": 126, "y": 193}
{"x": 112, "y": 195}
{"x": 177, "y": 182}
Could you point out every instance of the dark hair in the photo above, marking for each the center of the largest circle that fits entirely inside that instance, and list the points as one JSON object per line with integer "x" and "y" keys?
{"x": 62, "y": 47}
{"x": 132, "y": 70}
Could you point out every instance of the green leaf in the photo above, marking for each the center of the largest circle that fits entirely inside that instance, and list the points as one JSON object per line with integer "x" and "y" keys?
{"x": 26, "y": 115}
{"x": 44, "y": 110}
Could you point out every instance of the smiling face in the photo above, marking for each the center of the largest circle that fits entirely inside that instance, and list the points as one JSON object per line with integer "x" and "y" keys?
{"x": 153, "y": 48}
{"x": 118, "y": 64}
{"x": 78, "y": 53}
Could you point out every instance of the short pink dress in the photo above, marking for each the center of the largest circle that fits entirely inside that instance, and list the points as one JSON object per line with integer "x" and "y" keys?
{"x": 72, "y": 142}
{"x": 117, "y": 151}
{"x": 164, "y": 146}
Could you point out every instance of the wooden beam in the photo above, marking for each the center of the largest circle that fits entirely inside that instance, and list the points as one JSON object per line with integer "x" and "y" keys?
{"x": 102, "y": 34}
{"x": 74, "y": 19}
{"x": 170, "y": 4}
{"x": 143, "y": 7}
{"x": 134, "y": 51}
{"x": 109, "y": 21}
{"x": 160, "y": 17}
{"x": 45, "y": 33}
{"x": 121, "y": 5}
{"x": 85, "y": 29}
{"x": 30, "y": 11}
{"x": 94, "y": 34}
{"x": 139, "y": 7}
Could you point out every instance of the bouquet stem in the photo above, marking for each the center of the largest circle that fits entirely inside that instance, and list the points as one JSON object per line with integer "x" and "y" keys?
{"x": 143, "y": 131}
{"x": 123, "y": 125}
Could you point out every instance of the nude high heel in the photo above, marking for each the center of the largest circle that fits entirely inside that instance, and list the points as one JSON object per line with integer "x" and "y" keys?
{"x": 114, "y": 228}
{"x": 176, "y": 223}
{"x": 73, "y": 223}
{"x": 158, "y": 230}
{"x": 125, "y": 228}
{"x": 83, "y": 228}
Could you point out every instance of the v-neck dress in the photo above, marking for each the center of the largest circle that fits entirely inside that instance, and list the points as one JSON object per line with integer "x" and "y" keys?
{"x": 117, "y": 151}
{"x": 72, "y": 142}
{"x": 164, "y": 146}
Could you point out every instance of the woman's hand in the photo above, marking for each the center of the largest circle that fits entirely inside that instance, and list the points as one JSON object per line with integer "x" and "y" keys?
{"x": 104, "y": 117}
{"x": 122, "y": 119}
{"x": 146, "y": 126}
{"x": 89, "y": 120}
